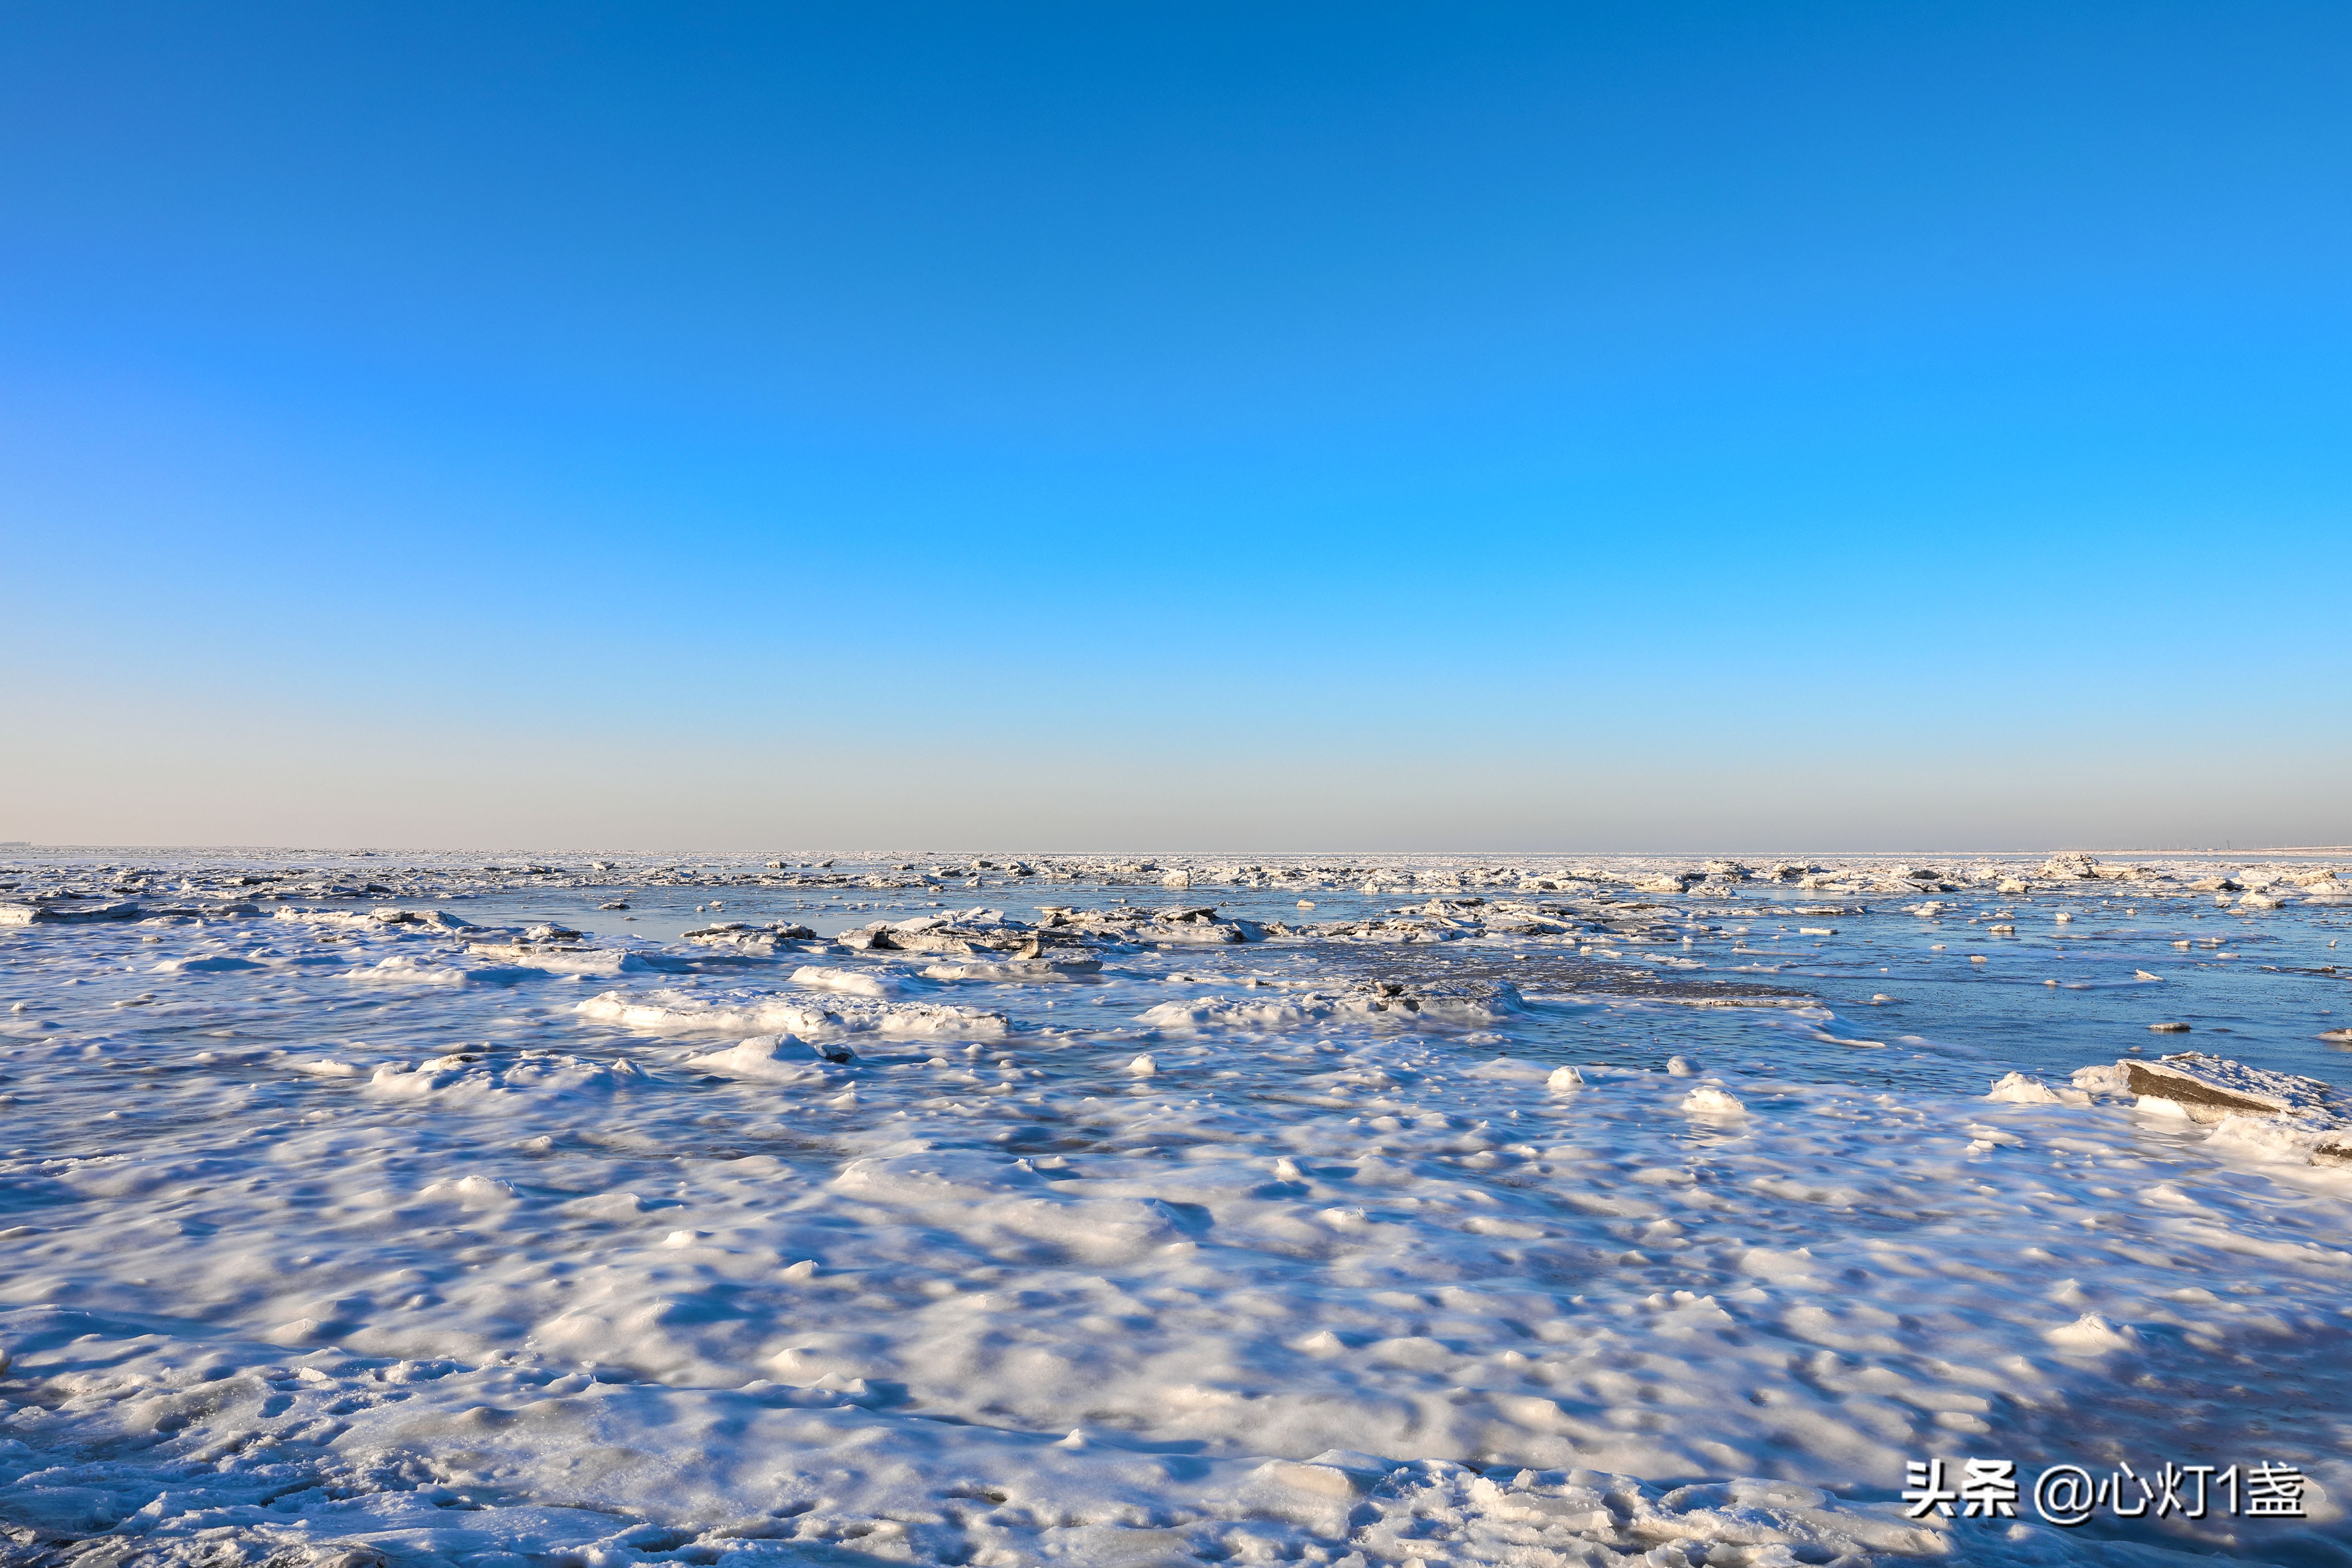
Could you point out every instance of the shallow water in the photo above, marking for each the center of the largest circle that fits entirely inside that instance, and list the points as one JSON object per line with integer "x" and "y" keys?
{"x": 325, "y": 1235}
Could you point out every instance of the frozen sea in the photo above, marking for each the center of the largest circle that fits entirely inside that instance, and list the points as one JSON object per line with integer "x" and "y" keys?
{"x": 992, "y": 1210}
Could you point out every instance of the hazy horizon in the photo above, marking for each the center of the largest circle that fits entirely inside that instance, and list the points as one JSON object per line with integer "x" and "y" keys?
{"x": 1744, "y": 855}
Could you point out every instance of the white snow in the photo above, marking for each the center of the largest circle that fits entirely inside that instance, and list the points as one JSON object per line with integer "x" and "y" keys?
{"x": 381, "y": 1243}
{"x": 778, "y": 1058}
{"x": 756, "y": 1013}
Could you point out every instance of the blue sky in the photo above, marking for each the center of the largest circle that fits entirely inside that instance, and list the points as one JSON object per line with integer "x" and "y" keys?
{"x": 1350, "y": 426}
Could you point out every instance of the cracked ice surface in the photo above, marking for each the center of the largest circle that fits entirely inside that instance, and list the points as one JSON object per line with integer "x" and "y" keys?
{"x": 1405, "y": 1247}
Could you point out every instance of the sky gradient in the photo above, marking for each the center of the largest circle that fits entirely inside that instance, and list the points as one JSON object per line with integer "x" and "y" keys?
{"x": 1309, "y": 428}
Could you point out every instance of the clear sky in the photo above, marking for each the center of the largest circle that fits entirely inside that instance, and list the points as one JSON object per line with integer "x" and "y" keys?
{"x": 1162, "y": 426}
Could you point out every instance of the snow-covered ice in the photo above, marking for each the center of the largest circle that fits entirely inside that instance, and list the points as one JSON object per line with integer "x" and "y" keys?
{"x": 1001, "y": 1210}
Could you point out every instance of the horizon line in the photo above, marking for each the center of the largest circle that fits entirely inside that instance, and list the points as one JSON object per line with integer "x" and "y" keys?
{"x": 1548, "y": 854}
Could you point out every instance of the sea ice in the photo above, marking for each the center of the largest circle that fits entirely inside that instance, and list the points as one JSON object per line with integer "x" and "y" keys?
{"x": 1386, "y": 1258}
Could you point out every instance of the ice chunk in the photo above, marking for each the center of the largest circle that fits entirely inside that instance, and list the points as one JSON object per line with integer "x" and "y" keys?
{"x": 776, "y": 1059}
{"x": 326, "y": 1067}
{"x": 1708, "y": 1101}
{"x": 1443, "y": 1002}
{"x": 384, "y": 919}
{"x": 2021, "y": 1089}
{"x": 2092, "y": 1334}
{"x": 765, "y": 1012}
{"x": 58, "y": 913}
{"x": 562, "y": 958}
{"x": 471, "y": 1081}
{"x": 1201, "y": 926}
{"x": 2071, "y": 866}
{"x": 849, "y": 982}
{"x": 2303, "y": 1140}
{"x": 964, "y": 931}
{"x": 1015, "y": 970}
{"x": 472, "y": 1192}
{"x": 759, "y": 940}
{"x": 2104, "y": 1078}
{"x": 402, "y": 970}
{"x": 1211, "y": 1012}
{"x": 2210, "y": 1088}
